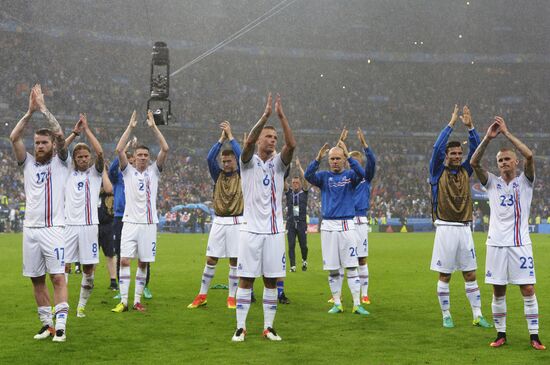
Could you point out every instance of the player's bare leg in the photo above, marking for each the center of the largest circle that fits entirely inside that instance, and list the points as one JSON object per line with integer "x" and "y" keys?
{"x": 42, "y": 297}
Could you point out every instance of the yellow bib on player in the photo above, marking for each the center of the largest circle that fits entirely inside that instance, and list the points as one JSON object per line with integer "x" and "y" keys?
{"x": 228, "y": 195}
{"x": 454, "y": 199}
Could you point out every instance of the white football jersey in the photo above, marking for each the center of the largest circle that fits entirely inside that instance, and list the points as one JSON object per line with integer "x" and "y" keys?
{"x": 82, "y": 197}
{"x": 140, "y": 190}
{"x": 510, "y": 205}
{"x": 45, "y": 191}
{"x": 263, "y": 185}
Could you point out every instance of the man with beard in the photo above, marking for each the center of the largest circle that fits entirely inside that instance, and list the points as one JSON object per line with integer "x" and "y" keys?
{"x": 45, "y": 176}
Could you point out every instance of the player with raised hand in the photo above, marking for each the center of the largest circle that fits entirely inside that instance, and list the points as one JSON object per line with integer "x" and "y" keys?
{"x": 361, "y": 199}
{"x": 139, "y": 232}
{"x": 262, "y": 242}
{"x": 338, "y": 239}
{"x": 45, "y": 176}
{"x": 452, "y": 214}
{"x": 509, "y": 257}
{"x": 223, "y": 240}
{"x": 81, "y": 201}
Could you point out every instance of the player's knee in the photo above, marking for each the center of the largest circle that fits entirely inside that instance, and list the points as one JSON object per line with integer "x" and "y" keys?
{"x": 233, "y": 261}
{"x": 39, "y": 280}
{"x": 124, "y": 261}
{"x": 469, "y": 275}
{"x": 58, "y": 280}
{"x": 362, "y": 261}
{"x": 334, "y": 273}
{"x": 246, "y": 283}
{"x": 211, "y": 260}
{"x": 88, "y": 269}
{"x": 527, "y": 290}
{"x": 444, "y": 277}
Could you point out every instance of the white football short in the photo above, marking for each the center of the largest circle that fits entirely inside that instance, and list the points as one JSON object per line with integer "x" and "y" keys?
{"x": 223, "y": 240}
{"x": 261, "y": 254}
{"x": 453, "y": 249}
{"x": 510, "y": 265}
{"x": 362, "y": 233}
{"x": 139, "y": 241}
{"x": 43, "y": 251}
{"x": 339, "y": 249}
{"x": 81, "y": 244}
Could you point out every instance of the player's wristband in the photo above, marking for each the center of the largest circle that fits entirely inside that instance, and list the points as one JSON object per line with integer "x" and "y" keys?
{"x": 76, "y": 133}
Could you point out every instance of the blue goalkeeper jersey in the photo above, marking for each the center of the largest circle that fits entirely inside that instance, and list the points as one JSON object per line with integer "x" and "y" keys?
{"x": 118, "y": 187}
{"x": 362, "y": 191}
{"x": 337, "y": 189}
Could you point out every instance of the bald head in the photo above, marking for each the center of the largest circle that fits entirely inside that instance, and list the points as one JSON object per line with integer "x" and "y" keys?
{"x": 336, "y": 159}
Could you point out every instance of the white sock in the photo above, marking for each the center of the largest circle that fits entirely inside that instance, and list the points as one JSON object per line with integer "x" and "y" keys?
{"x": 498, "y": 307}
{"x": 86, "y": 287}
{"x": 233, "y": 280}
{"x": 243, "y": 305}
{"x": 45, "y": 315}
{"x": 334, "y": 282}
{"x": 474, "y": 296}
{"x": 443, "y": 294}
{"x": 354, "y": 286}
{"x": 141, "y": 278}
{"x": 364, "y": 277}
{"x": 207, "y": 275}
{"x": 61, "y": 314}
{"x": 270, "y": 307}
{"x": 124, "y": 283}
{"x": 531, "y": 310}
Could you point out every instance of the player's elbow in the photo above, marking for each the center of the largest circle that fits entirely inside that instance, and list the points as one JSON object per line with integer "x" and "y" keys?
{"x": 14, "y": 137}
{"x": 529, "y": 156}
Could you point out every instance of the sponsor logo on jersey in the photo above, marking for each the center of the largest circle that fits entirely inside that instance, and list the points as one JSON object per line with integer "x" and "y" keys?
{"x": 499, "y": 186}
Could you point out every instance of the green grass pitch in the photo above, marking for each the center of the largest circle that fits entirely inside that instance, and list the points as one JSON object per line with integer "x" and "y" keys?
{"x": 404, "y": 326}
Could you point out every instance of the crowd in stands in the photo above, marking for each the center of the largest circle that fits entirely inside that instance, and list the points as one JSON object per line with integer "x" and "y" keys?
{"x": 401, "y": 108}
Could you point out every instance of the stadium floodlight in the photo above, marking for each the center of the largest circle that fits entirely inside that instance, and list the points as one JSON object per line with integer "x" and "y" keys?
{"x": 160, "y": 84}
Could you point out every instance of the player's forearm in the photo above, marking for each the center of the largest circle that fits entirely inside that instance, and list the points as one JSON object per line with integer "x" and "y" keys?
{"x": 53, "y": 124}
{"x": 251, "y": 139}
{"x": 95, "y": 143}
{"x": 62, "y": 151}
{"x": 160, "y": 138}
{"x": 290, "y": 141}
{"x": 17, "y": 132}
{"x": 475, "y": 161}
{"x": 120, "y": 147}
{"x": 522, "y": 148}
{"x": 107, "y": 185}
{"x": 70, "y": 139}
